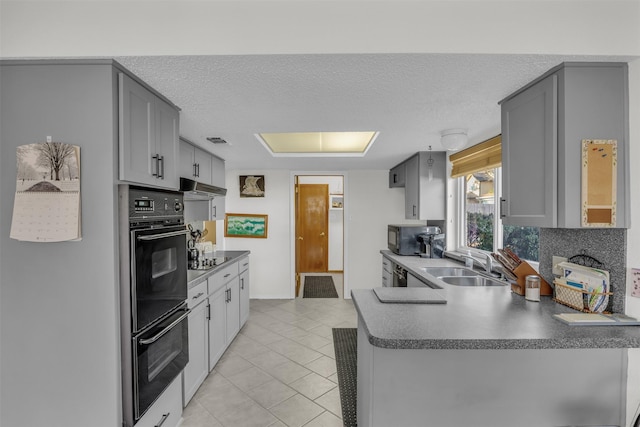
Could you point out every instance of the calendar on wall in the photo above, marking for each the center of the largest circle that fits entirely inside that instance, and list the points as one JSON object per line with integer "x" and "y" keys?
{"x": 47, "y": 200}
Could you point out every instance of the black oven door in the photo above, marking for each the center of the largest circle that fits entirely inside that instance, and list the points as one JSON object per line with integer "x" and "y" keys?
{"x": 158, "y": 273}
{"x": 160, "y": 355}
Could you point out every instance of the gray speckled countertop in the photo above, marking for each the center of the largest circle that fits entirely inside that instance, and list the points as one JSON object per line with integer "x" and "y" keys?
{"x": 196, "y": 276}
{"x": 477, "y": 318}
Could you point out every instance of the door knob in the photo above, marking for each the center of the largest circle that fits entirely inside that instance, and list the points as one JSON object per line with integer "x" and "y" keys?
{"x": 300, "y": 238}
{"x": 322, "y": 234}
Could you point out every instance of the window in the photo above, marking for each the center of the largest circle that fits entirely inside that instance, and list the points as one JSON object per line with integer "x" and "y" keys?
{"x": 479, "y": 170}
{"x": 482, "y": 227}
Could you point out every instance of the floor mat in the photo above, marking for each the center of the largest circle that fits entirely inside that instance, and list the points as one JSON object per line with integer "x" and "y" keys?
{"x": 319, "y": 287}
{"x": 345, "y": 342}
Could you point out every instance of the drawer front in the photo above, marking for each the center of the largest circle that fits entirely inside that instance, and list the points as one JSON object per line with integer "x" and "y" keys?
{"x": 243, "y": 264}
{"x": 197, "y": 294}
{"x": 386, "y": 264}
{"x": 167, "y": 410}
{"x": 222, "y": 277}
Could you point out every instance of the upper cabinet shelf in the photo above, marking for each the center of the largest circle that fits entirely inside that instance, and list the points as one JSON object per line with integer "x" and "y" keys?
{"x": 544, "y": 125}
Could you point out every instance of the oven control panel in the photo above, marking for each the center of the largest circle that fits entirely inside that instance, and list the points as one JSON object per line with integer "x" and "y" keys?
{"x": 150, "y": 205}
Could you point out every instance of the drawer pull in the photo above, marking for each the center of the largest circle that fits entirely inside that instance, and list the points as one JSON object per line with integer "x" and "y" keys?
{"x": 198, "y": 296}
{"x": 163, "y": 419}
{"x": 227, "y": 275}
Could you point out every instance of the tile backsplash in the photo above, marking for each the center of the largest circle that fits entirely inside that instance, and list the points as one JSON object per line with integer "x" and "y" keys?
{"x": 607, "y": 245}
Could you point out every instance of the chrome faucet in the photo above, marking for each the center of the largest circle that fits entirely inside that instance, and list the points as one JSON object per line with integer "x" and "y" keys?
{"x": 487, "y": 264}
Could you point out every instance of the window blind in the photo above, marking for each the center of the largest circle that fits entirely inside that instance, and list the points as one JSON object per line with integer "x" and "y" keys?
{"x": 483, "y": 156}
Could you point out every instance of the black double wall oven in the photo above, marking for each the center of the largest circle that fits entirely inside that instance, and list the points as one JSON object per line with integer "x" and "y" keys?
{"x": 154, "y": 328}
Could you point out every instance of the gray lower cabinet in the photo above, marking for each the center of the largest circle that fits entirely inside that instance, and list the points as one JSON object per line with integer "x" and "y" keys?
{"x": 224, "y": 310}
{"x": 197, "y": 369}
{"x": 148, "y": 136}
{"x": 244, "y": 290}
{"x": 217, "y": 325}
{"x": 425, "y": 186}
{"x": 543, "y": 125}
{"x": 387, "y": 272}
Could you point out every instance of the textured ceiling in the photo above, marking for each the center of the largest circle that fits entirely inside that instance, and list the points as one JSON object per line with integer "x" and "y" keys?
{"x": 408, "y": 98}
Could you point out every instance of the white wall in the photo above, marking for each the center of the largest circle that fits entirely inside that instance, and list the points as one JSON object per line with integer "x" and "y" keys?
{"x": 633, "y": 236}
{"x": 270, "y": 257}
{"x": 373, "y": 206}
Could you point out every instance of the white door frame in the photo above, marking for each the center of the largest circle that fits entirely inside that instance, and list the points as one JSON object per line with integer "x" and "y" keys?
{"x": 292, "y": 233}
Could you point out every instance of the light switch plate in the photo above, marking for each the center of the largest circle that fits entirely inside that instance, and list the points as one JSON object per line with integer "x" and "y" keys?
{"x": 555, "y": 260}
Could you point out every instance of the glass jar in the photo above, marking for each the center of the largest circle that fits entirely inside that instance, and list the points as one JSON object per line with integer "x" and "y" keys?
{"x": 532, "y": 288}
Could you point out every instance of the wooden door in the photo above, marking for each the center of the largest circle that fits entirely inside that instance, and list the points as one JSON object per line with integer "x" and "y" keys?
{"x": 312, "y": 224}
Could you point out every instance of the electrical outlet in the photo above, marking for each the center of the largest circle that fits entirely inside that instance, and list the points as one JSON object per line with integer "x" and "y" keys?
{"x": 555, "y": 260}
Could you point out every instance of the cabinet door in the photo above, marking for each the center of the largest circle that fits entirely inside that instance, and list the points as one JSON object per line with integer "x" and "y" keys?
{"x": 412, "y": 187}
{"x": 397, "y": 176}
{"x": 203, "y": 165}
{"x": 217, "y": 325}
{"x": 244, "y": 295}
{"x": 187, "y": 163}
{"x": 197, "y": 369}
{"x": 136, "y": 132}
{"x": 529, "y": 156}
{"x": 218, "y": 172}
{"x": 233, "y": 308}
{"x": 167, "y": 124}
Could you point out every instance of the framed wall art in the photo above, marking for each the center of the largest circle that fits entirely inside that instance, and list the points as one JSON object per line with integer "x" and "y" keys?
{"x": 599, "y": 186}
{"x": 251, "y": 185}
{"x": 245, "y": 225}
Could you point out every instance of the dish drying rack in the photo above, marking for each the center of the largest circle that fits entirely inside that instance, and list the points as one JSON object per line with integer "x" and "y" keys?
{"x": 581, "y": 299}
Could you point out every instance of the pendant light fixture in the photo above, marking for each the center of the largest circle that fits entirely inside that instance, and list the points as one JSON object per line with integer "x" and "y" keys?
{"x": 430, "y": 163}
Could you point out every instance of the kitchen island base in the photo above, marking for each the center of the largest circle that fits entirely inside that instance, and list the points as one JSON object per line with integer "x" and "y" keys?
{"x": 502, "y": 387}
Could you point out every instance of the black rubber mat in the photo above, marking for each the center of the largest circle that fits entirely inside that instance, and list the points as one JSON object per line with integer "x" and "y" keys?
{"x": 345, "y": 342}
{"x": 319, "y": 287}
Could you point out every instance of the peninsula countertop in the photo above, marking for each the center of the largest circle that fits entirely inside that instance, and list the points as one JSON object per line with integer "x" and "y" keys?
{"x": 196, "y": 276}
{"x": 477, "y": 318}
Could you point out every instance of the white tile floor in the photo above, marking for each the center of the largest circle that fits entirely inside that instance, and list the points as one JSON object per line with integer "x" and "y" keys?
{"x": 280, "y": 370}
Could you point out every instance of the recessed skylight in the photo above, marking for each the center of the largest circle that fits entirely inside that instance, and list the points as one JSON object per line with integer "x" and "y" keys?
{"x": 318, "y": 144}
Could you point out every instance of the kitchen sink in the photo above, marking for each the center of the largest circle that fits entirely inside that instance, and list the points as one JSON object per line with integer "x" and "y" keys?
{"x": 472, "y": 280}
{"x": 449, "y": 271}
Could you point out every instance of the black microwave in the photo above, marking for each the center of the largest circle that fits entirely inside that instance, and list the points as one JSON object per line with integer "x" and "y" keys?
{"x": 403, "y": 239}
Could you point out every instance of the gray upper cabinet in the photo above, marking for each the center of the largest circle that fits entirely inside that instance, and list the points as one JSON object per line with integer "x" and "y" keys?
{"x": 397, "y": 176}
{"x": 529, "y": 124}
{"x": 148, "y": 139}
{"x": 195, "y": 163}
{"x": 543, "y": 126}
{"x": 424, "y": 185}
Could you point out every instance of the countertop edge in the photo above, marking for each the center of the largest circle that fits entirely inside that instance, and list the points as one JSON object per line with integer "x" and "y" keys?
{"x": 233, "y": 256}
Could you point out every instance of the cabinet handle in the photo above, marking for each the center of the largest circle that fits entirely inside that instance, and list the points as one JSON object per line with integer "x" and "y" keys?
{"x": 242, "y": 283}
{"x": 163, "y": 419}
{"x": 161, "y": 167}
{"x": 208, "y": 311}
{"x": 198, "y": 170}
{"x": 227, "y": 275}
{"x": 195, "y": 170}
{"x": 245, "y": 264}
{"x": 214, "y": 211}
{"x": 157, "y": 170}
{"x": 414, "y": 210}
{"x": 198, "y": 296}
{"x": 395, "y": 178}
{"x": 502, "y": 210}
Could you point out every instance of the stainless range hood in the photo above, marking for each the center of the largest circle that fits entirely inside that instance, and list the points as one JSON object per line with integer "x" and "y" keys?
{"x": 194, "y": 190}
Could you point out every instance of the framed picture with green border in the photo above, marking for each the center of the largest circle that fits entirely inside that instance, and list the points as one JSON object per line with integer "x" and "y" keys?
{"x": 245, "y": 225}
